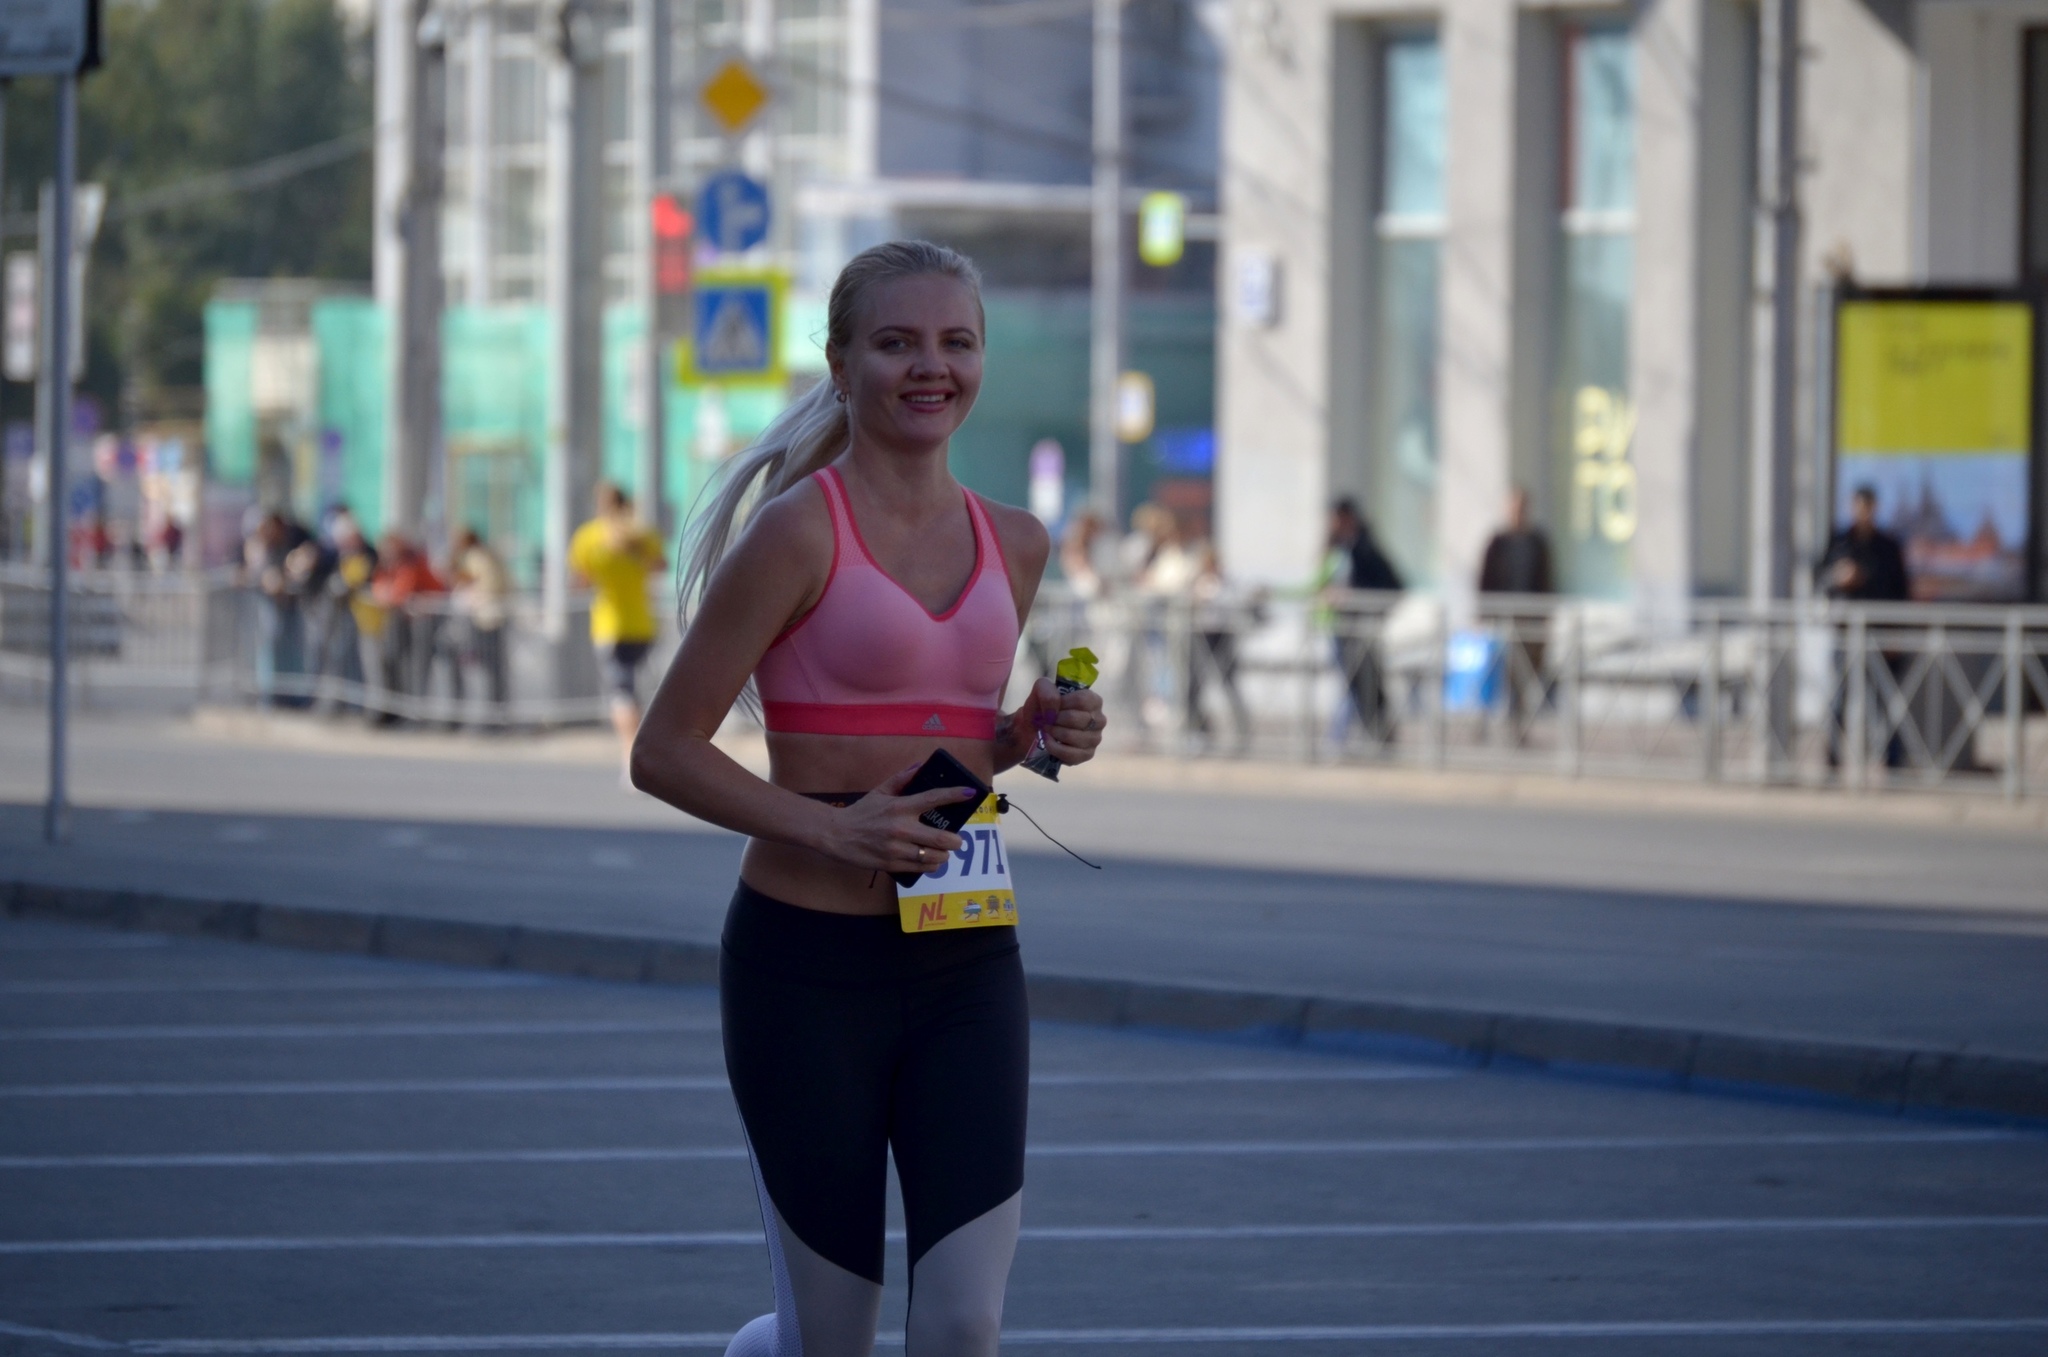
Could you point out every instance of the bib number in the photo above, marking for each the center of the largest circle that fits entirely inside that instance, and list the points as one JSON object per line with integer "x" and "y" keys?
{"x": 970, "y": 889}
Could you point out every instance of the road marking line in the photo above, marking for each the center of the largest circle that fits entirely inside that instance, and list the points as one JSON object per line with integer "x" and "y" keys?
{"x": 704, "y": 1083}
{"x": 1054, "y": 1234}
{"x": 628, "y": 1154}
{"x": 325, "y": 984}
{"x": 636, "y": 1084}
{"x": 57, "y": 1336}
{"x": 1367, "y": 1075}
{"x": 312, "y": 1031}
{"x": 96, "y": 942}
{"x": 1359, "y": 1333}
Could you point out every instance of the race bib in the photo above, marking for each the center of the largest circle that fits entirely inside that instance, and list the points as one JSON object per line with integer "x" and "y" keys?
{"x": 970, "y": 889}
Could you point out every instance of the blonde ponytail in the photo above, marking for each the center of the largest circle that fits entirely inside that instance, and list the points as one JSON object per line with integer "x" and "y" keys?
{"x": 814, "y": 430}
{"x": 806, "y": 437}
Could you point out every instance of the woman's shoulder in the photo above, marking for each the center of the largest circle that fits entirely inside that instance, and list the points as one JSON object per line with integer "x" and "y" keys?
{"x": 797, "y": 521}
{"x": 1024, "y": 540}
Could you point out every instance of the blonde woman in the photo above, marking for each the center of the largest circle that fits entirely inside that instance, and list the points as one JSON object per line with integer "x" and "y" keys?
{"x": 874, "y": 605}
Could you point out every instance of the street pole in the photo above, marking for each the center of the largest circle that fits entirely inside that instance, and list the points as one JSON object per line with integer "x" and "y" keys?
{"x": 1106, "y": 344}
{"x": 56, "y": 366}
{"x": 656, "y": 170}
{"x": 1779, "y": 565}
{"x": 574, "y": 288}
{"x": 414, "y": 480}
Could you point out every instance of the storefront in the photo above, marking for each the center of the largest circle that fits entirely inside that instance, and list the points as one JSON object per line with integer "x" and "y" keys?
{"x": 1498, "y": 245}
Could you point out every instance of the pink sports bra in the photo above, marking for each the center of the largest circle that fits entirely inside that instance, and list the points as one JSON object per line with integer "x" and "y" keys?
{"x": 870, "y": 660}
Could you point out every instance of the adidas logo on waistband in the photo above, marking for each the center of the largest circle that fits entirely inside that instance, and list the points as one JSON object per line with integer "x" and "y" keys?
{"x": 933, "y": 722}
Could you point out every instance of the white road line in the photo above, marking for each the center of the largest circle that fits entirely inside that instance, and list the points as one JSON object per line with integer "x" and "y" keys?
{"x": 369, "y": 1158}
{"x": 322, "y": 1031}
{"x": 84, "y": 942}
{"x": 1369, "y": 1074}
{"x": 302, "y": 984}
{"x": 1331, "y": 1333}
{"x": 704, "y": 1083}
{"x": 1055, "y": 1234}
{"x": 654, "y": 1154}
{"x": 1366, "y": 1074}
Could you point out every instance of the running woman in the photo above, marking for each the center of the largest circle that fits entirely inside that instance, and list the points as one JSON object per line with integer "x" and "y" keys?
{"x": 875, "y": 605}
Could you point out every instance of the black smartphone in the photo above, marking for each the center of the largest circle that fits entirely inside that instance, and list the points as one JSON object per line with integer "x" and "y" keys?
{"x": 943, "y": 770}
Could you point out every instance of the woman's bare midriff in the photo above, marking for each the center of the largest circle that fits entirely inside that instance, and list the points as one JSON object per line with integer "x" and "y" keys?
{"x": 841, "y": 763}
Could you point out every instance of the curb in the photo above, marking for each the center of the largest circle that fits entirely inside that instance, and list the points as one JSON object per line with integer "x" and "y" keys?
{"x": 1899, "y": 1078}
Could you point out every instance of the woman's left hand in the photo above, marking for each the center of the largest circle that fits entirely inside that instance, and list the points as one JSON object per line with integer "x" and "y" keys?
{"x": 1071, "y": 722}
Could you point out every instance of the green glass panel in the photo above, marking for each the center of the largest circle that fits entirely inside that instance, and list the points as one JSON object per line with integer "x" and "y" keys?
{"x": 1404, "y": 460}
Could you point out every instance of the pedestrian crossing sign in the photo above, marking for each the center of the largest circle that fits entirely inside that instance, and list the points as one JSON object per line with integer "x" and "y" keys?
{"x": 736, "y": 322}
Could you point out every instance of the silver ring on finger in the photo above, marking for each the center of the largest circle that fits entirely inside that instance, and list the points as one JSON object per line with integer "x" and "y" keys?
{"x": 920, "y": 855}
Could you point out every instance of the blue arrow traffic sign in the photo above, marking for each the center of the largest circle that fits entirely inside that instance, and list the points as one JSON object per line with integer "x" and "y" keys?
{"x": 732, "y": 211}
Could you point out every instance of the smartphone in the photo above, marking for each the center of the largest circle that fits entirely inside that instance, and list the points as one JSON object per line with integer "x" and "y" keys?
{"x": 943, "y": 770}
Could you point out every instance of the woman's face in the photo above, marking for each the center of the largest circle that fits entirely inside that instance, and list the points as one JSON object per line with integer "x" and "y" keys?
{"x": 912, "y": 367}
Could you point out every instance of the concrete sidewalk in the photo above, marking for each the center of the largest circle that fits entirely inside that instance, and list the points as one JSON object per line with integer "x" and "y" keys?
{"x": 1898, "y": 963}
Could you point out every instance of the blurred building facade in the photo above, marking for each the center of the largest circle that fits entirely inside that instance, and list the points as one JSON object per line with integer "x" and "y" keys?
{"x": 949, "y": 119}
{"x": 1488, "y": 244}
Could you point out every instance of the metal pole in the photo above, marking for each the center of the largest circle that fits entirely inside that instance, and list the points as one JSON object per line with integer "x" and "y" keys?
{"x": 1785, "y": 301}
{"x": 1855, "y": 735}
{"x": 652, "y": 78}
{"x": 2015, "y": 708}
{"x": 57, "y": 367}
{"x": 1710, "y": 701}
{"x": 1106, "y": 347}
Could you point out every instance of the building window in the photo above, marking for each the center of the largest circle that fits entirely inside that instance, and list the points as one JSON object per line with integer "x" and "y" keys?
{"x": 1594, "y": 416}
{"x": 516, "y": 96}
{"x": 1408, "y": 229}
{"x": 518, "y": 222}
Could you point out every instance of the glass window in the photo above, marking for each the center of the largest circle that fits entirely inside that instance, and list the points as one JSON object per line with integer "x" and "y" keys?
{"x": 618, "y": 96}
{"x": 515, "y": 101}
{"x": 1408, "y": 239}
{"x": 1593, "y": 415}
{"x": 518, "y": 216}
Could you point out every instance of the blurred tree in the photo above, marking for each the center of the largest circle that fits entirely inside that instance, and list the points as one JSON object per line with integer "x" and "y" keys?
{"x": 191, "y": 90}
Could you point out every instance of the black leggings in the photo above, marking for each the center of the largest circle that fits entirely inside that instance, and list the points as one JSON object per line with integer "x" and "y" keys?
{"x": 846, "y": 1038}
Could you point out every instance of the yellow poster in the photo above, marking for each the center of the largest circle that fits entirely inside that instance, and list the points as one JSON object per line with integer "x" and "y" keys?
{"x": 1934, "y": 415}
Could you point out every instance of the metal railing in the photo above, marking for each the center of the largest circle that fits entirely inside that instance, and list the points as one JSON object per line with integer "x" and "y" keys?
{"x": 1856, "y": 696}
{"x": 1862, "y": 696}
{"x": 180, "y": 640}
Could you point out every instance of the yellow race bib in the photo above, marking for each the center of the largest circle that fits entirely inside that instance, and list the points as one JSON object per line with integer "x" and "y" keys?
{"x": 970, "y": 889}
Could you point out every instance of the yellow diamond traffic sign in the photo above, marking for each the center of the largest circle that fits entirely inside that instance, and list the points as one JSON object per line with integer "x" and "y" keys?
{"x": 734, "y": 95}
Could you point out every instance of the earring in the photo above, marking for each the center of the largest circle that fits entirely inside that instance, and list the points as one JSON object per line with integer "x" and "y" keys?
{"x": 840, "y": 392}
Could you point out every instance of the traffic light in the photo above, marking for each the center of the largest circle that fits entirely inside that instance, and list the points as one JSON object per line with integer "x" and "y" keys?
{"x": 672, "y": 228}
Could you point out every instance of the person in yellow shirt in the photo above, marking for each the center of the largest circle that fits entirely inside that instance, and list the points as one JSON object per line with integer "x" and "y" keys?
{"x": 613, "y": 554}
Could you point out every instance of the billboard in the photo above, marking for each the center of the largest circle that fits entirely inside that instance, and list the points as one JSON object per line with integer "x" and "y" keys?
{"x": 1934, "y": 411}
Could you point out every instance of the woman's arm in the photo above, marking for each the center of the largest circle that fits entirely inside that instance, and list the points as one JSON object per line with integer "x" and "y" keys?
{"x": 1072, "y": 722}
{"x": 773, "y": 575}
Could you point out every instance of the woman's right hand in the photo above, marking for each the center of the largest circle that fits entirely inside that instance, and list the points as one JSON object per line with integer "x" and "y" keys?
{"x": 881, "y": 831}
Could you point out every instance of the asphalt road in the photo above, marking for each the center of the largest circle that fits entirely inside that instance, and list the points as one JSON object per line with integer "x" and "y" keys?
{"x": 213, "y": 1149}
{"x": 1938, "y": 976}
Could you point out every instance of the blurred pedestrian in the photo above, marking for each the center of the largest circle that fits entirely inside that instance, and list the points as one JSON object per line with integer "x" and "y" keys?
{"x": 1517, "y": 562}
{"x": 1865, "y": 564}
{"x": 1356, "y": 564}
{"x": 410, "y": 593}
{"x": 1081, "y": 552}
{"x": 483, "y": 591}
{"x": 354, "y": 621}
{"x": 280, "y": 624}
{"x": 1218, "y": 615}
{"x": 615, "y": 554}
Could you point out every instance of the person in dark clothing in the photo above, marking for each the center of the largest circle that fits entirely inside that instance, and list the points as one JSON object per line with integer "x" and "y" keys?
{"x": 1361, "y": 565}
{"x": 1517, "y": 561}
{"x": 1865, "y": 564}
{"x": 1517, "y": 558}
